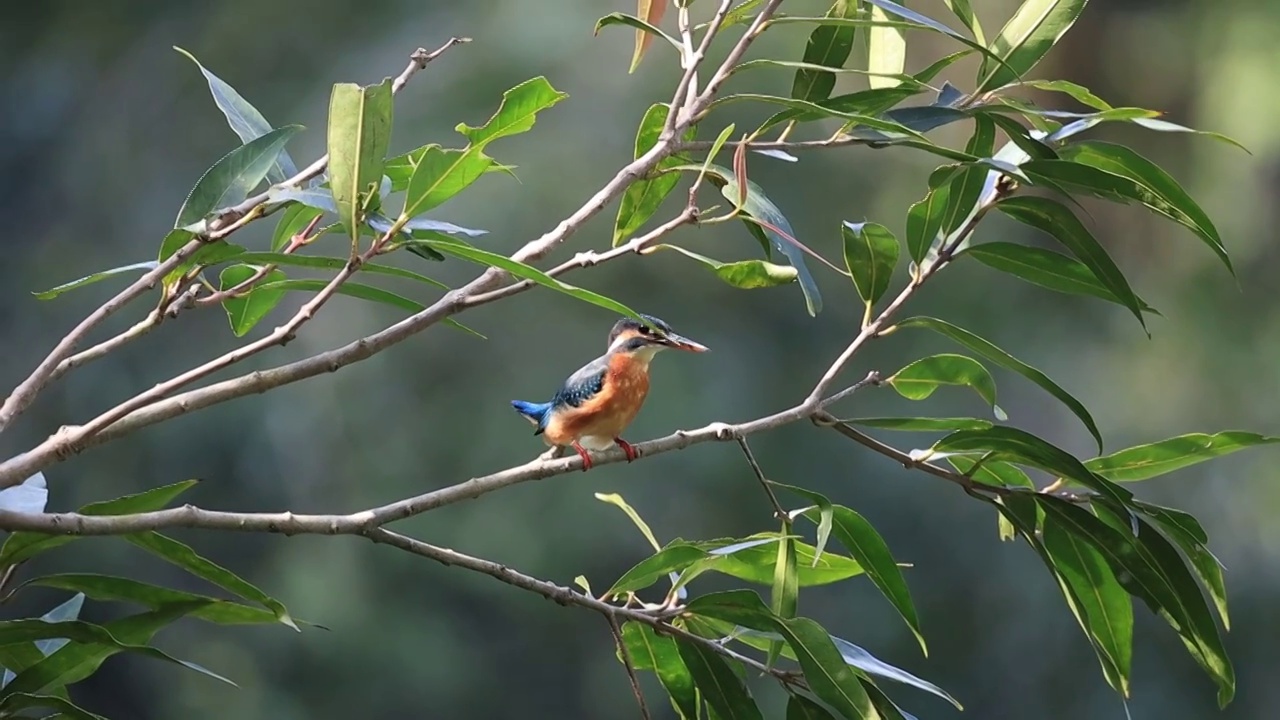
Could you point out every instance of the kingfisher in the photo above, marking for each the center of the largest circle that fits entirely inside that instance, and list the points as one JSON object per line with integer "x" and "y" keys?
{"x": 597, "y": 403}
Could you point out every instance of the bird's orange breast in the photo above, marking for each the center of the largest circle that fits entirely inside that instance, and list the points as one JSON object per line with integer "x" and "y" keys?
{"x": 607, "y": 413}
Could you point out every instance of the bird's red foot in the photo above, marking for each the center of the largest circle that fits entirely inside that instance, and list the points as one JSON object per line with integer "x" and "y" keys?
{"x": 586, "y": 459}
{"x": 627, "y": 449}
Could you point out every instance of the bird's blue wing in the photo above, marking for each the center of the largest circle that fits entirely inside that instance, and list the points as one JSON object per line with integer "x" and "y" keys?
{"x": 583, "y": 385}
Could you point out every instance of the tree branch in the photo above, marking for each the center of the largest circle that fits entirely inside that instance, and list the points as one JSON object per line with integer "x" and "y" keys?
{"x": 627, "y": 663}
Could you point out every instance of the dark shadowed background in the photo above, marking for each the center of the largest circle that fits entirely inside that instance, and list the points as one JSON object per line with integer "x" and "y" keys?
{"x": 104, "y": 128}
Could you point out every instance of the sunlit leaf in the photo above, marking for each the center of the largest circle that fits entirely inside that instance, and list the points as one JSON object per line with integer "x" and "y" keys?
{"x": 921, "y": 424}
{"x": 617, "y": 501}
{"x": 1079, "y": 93}
{"x": 886, "y": 51}
{"x": 132, "y": 269}
{"x": 652, "y": 12}
{"x": 1045, "y": 268}
{"x": 642, "y": 198}
{"x": 233, "y": 177}
{"x": 964, "y": 12}
{"x": 1007, "y": 361}
{"x": 441, "y": 174}
{"x": 968, "y": 184}
{"x": 1186, "y": 531}
{"x": 244, "y": 311}
{"x": 645, "y": 31}
{"x": 828, "y": 675}
{"x": 1027, "y": 37}
{"x": 785, "y": 595}
{"x": 826, "y": 515}
{"x": 921, "y": 378}
{"x": 870, "y": 254}
{"x": 743, "y": 274}
{"x": 659, "y": 654}
{"x": 1147, "y": 461}
{"x": 293, "y": 220}
{"x": 924, "y": 221}
{"x": 517, "y": 112}
{"x": 244, "y": 119}
{"x": 359, "y": 135}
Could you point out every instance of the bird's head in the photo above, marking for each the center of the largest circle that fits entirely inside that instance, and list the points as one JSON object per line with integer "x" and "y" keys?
{"x": 644, "y": 339}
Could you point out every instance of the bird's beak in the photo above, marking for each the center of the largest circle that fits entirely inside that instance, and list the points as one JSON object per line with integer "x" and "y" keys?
{"x": 683, "y": 343}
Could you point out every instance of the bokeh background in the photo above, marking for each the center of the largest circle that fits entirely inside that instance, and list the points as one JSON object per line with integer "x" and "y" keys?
{"x": 104, "y": 128}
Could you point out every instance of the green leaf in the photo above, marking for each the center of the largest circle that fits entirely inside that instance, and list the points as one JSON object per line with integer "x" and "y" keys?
{"x": 1027, "y": 37}
{"x": 517, "y": 112}
{"x": 184, "y": 557}
{"x": 334, "y": 263}
{"x": 247, "y": 310}
{"x": 1022, "y": 447}
{"x": 863, "y": 104}
{"x": 642, "y": 198}
{"x": 785, "y": 597}
{"x": 802, "y": 708}
{"x": 658, "y": 653}
{"x": 866, "y": 546}
{"x": 870, "y": 254}
{"x": 1154, "y": 123}
{"x": 828, "y": 46}
{"x": 244, "y": 119}
{"x": 359, "y": 135}
{"x": 1045, "y": 268}
{"x": 743, "y": 274}
{"x": 829, "y": 677}
{"x": 967, "y": 186}
{"x": 817, "y": 111}
{"x": 924, "y": 221}
{"x": 1101, "y": 605}
{"x": 1153, "y": 187}
{"x": 675, "y": 556}
{"x": 529, "y": 273}
{"x": 776, "y": 228}
{"x": 886, "y": 51}
{"x": 26, "y": 701}
{"x": 964, "y": 12}
{"x": 441, "y": 174}
{"x": 641, "y": 27}
{"x": 350, "y": 289}
{"x": 233, "y": 177}
{"x": 1056, "y": 219}
{"x": 21, "y": 546}
{"x": 918, "y": 380}
{"x": 1079, "y": 93}
{"x": 399, "y": 169}
{"x": 757, "y": 563}
{"x": 1147, "y": 461}
{"x": 617, "y": 501}
{"x": 131, "y": 269}
{"x": 1150, "y": 568}
{"x": 108, "y": 588}
{"x": 1007, "y": 361}
{"x": 921, "y": 424}
{"x": 1186, "y": 531}
{"x": 826, "y": 515}
{"x": 76, "y": 661}
{"x": 720, "y": 686}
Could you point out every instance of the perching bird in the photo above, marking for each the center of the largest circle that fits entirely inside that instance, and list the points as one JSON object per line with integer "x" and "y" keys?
{"x": 597, "y": 403}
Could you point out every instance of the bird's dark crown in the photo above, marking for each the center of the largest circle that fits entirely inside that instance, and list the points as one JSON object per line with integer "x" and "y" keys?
{"x": 652, "y": 328}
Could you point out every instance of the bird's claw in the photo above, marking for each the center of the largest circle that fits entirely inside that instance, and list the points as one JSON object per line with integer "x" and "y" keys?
{"x": 627, "y": 450}
{"x": 586, "y": 458}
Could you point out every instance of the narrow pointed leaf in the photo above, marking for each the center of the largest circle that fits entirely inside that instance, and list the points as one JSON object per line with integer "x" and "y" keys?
{"x": 870, "y": 254}
{"x": 1057, "y": 220}
{"x": 1147, "y": 461}
{"x": 924, "y": 221}
{"x": 21, "y": 546}
{"x": 743, "y": 274}
{"x": 921, "y": 424}
{"x": 829, "y": 677}
{"x": 244, "y": 119}
{"x": 1104, "y": 608}
{"x": 651, "y": 11}
{"x": 826, "y": 515}
{"x": 1045, "y": 268}
{"x": 66, "y": 710}
{"x": 335, "y": 263}
{"x": 617, "y": 501}
{"x": 131, "y": 269}
{"x": 886, "y": 51}
{"x": 802, "y": 708}
{"x": 828, "y": 46}
{"x": 641, "y": 26}
{"x": 720, "y": 686}
{"x": 1027, "y": 37}
{"x": 359, "y": 135}
{"x": 247, "y": 310}
{"x": 674, "y": 557}
{"x": 1153, "y": 123}
{"x": 233, "y": 177}
{"x": 1007, "y": 361}
{"x": 921, "y": 378}
{"x": 1186, "y": 531}
{"x": 659, "y": 654}
{"x": 784, "y": 600}
{"x": 293, "y": 220}
{"x": 964, "y": 12}
{"x": 898, "y": 10}
{"x": 757, "y": 563}
{"x": 859, "y": 658}
{"x": 967, "y": 186}
{"x": 642, "y": 198}
{"x": 400, "y": 169}
{"x": 109, "y": 588}
{"x": 866, "y": 546}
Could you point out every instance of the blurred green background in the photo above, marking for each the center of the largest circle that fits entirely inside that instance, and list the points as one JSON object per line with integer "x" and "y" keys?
{"x": 104, "y": 128}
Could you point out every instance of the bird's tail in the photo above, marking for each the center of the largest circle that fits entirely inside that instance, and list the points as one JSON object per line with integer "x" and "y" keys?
{"x": 536, "y": 413}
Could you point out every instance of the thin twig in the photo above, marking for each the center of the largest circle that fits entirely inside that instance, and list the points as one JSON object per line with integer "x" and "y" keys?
{"x": 778, "y": 511}
{"x": 627, "y": 663}
{"x": 106, "y": 347}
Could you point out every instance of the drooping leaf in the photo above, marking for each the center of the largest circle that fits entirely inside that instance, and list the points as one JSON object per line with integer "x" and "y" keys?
{"x": 800, "y": 707}
{"x": 871, "y": 254}
{"x": 108, "y": 588}
{"x": 1155, "y": 188}
{"x": 1007, "y": 361}
{"x": 964, "y": 12}
{"x": 334, "y": 263}
{"x": 131, "y": 269}
{"x": 859, "y": 658}
{"x": 247, "y": 310}
{"x": 233, "y": 177}
{"x": 1079, "y": 93}
{"x": 1027, "y": 37}
{"x": 641, "y": 198}
{"x": 785, "y": 596}
{"x": 967, "y": 186}
{"x": 828, "y": 675}
{"x": 528, "y": 272}
{"x": 651, "y": 11}
{"x": 645, "y": 31}
{"x": 1056, "y": 219}
{"x": 1020, "y": 446}
{"x": 244, "y": 119}
{"x": 1045, "y": 268}
{"x": 1154, "y": 123}
{"x": 721, "y": 688}
{"x": 828, "y": 46}
{"x": 742, "y": 274}
{"x": 1102, "y": 606}
{"x": 925, "y": 22}
{"x": 659, "y": 654}
{"x": 20, "y": 546}
{"x": 866, "y": 546}
{"x": 617, "y": 501}
{"x": 826, "y": 515}
{"x": 924, "y": 221}
{"x": 66, "y": 710}
{"x": 1186, "y": 531}
{"x": 918, "y": 380}
{"x": 1147, "y": 461}
{"x": 359, "y": 135}
{"x": 886, "y": 51}
{"x": 189, "y": 560}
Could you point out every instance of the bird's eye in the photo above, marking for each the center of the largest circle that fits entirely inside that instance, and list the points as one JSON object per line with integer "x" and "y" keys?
{"x": 644, "y": 330}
